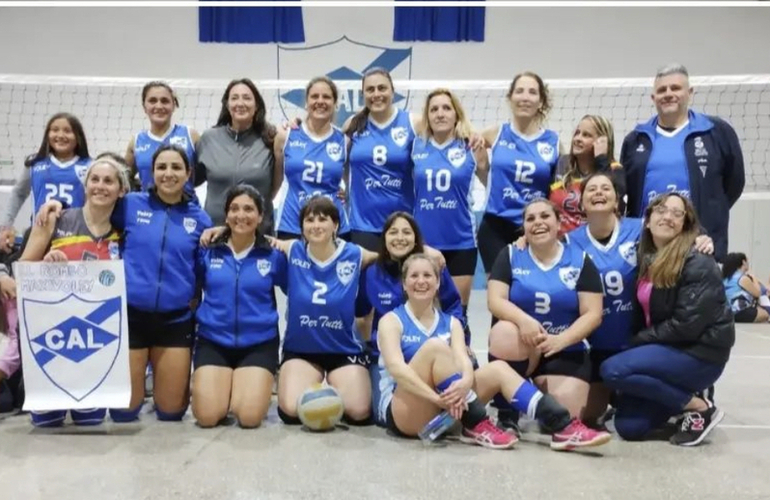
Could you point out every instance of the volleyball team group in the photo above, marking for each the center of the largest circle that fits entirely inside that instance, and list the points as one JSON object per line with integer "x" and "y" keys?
{"x": 606, "y": 296}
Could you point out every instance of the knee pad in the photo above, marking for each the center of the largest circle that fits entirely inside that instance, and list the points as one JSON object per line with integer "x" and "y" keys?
{"x": 288, "y": 419}
{"x": 170, "y": 416}
{"x": 125, "y": 415}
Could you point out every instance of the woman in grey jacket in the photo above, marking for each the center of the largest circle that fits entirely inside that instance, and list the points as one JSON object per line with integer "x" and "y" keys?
{"x": 687, "y": 331}
{"x": 238, "y": 150}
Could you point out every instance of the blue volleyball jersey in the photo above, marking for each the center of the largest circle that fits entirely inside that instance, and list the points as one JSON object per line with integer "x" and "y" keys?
{"x": 145, "y": 145}
{"x": 443, "y": 184}
{"x": 414, "y": 334}
{"x": 312, "y": 166}
{"x": 667, "y": 169}
{"x": 521, "y": 170}
{"x": 381, "y": 172}
{"x": 320, "y": 316}
{"x": 548, "y": 294}
{"x": 616, "y": 263}
{"x": 51, "y": 179}
{"x": 382, "y": 292}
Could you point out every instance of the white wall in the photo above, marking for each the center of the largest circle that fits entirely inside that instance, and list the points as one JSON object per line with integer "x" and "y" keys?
{"x": 574, "y": 42}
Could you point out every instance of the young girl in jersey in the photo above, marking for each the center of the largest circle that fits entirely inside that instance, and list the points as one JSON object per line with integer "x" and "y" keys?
{"x": 236, "y": 354}
{"x": 56, "y": 172}
{"x": 161, "y": 228}
{"x": 84, "y": 233}
{"x": 426, "y": 369}
{"x": 381, "y": 291}
{"x": 321, "y": 340}
{"x": 743, "y": 290}
{"x": 686, "y": 330}
{"x": 548, "y": 298}
{"x": 380, "y": 164}
{"x": 159, "y": 103}
{"x": 522, "y": 165}
{"x": 592, "y": 150}
{"x": 444, "y": 169}
{"x": 311, "y": 158}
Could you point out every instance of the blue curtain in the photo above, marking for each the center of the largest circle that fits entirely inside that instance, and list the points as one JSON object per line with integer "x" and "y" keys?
{"x": 251, "y": 24}
{"x": 439, "y": 24}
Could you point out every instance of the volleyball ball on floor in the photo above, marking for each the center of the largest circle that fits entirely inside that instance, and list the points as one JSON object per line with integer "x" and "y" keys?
{"x": 320, "y": 407}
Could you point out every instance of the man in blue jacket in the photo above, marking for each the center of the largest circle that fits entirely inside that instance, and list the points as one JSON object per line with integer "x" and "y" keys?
{"x": 682, "y": 150}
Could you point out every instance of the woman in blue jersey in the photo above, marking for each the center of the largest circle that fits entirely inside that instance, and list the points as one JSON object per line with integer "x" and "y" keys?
{"x": 159, "y": 102}
{"x": 56, "y": 172}
{"x": 161, "y": 228}
{"x": 548, "y": 298}
{"x": 522, "y": 165}
{"x": 311, "y": 159}
{"x": 83, "y": 233}
{"x": 381, "y": 290}
{"x": 444, "y": 169}
{"x": 236, "y": 354}
{"x": 426, "y": 369}
{"x": 610, "y": 241}
{"x": 743, "y": 290}
{"x": 321, "y": 340}
{"x": 380, "y": 164}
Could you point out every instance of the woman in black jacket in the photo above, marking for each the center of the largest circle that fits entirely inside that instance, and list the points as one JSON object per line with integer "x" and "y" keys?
{"x": 687, "y": 331}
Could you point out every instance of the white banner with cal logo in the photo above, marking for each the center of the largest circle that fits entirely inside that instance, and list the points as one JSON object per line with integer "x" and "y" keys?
{"x": 73, "y": 333}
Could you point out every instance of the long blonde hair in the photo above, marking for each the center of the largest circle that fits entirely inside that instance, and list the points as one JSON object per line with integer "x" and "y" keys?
{"x": 604, "y": 128}
{"x": 662, "y": 266}
{"x": 462, "y": 126}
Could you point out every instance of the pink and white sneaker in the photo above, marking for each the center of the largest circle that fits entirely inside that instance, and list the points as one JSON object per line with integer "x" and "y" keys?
{"x": 577, "y": 435}
{"x": 488, "y": 435}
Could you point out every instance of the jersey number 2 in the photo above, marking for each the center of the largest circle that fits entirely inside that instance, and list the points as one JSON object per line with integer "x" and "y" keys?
{"x": 318, "y": 294}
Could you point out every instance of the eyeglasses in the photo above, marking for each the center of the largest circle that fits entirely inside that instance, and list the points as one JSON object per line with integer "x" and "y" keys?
{"x": 676, "y": 213}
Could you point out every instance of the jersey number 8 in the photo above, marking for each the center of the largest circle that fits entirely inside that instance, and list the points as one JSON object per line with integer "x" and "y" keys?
{"x": 380, "y": 155}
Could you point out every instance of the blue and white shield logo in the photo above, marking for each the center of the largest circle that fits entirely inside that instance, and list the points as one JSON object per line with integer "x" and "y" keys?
{"x": 356, "y": 59}
{"x": 627, "y": 251}
{"x": 75, "y": 342}
{"x": 264, "y": 266}
{"x": 456, "y": 157}
{"x": 569, "y": 276}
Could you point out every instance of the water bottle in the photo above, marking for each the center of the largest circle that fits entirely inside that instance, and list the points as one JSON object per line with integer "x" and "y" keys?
{"x": 436, "y": 427}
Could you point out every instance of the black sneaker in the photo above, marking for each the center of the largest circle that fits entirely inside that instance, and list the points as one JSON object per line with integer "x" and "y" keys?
{"x": 696, "y": 425}
{"x": 508, "y": 420}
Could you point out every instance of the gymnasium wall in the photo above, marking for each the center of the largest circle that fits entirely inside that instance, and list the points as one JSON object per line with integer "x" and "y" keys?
{"x": 575, "y": 42}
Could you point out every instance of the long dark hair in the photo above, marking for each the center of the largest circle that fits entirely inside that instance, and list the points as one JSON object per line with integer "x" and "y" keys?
{"x": 232, "y": 194}
{"x": 81, "y": 148}
{"x": 260, "y": 125}
{"x": 358, "y": 122}
{"x": 731, "y": 263}
{"x": 385, "y": 260}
